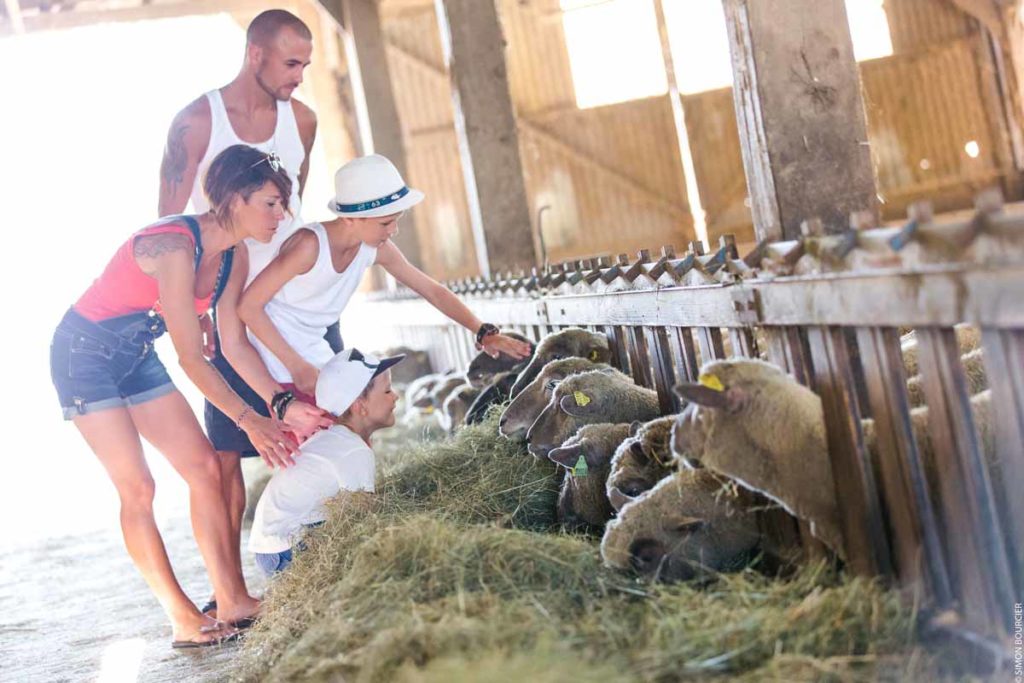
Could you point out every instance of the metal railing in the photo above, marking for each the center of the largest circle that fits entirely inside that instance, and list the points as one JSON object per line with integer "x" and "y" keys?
{"x": 939, "y": 514}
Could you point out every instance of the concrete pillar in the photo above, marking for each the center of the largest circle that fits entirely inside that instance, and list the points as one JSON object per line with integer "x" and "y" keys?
{"x": 801, "y": 118}
{"x": 485, "y": 123}
{"x": 362, "y": 20}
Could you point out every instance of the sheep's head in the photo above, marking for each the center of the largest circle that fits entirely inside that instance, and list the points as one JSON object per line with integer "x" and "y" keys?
{"x": 582, "y": 502}
{"x": 571, "y": 343}
{"x": 483, "y": 368}
{"x": 527, "y": 405}
{"x": 687, "y": 526}
{"x": 744, "y": 405}
{"x": 585, "y": 398}
{"x": 444, "y": 388}
{"x": 640, "y": 461}
{"x": 417, "y": 394}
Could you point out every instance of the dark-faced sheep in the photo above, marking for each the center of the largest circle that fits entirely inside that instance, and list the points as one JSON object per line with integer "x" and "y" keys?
{"x": 496, "y": 393}
{"x": 528, "y": 403}
{"x": 641, "y": 461}
{"x": 588, "y": 398}
{"x": 755, "y": 424}
{"x": 586, "y": 456}
{"x": 689, "y": 523}
{"x": 572, "y": 343}
{"x": 483, "y": 368}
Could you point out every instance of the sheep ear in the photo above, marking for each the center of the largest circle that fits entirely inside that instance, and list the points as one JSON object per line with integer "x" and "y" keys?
{"x": 573, "y": 405}
{"x": 634, "y": 427}
{"x": 702, "y": 395}
{"x": 566, "y": 456}
{"x": 690, "y": 525}
{"x": 637, "y": 449}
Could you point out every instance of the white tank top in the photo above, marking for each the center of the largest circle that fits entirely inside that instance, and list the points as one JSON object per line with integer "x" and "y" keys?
{"x": 304, "y": 307}
{"x": 286, "y": 141}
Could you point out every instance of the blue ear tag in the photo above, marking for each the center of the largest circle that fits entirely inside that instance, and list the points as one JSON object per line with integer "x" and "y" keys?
{"x": 580, "y": 469}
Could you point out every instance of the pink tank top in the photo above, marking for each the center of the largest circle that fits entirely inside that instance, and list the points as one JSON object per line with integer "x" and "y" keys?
{"x": 123, "y": 288}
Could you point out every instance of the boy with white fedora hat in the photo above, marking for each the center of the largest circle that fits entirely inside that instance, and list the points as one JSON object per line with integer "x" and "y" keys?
{"x": 306, "y": 287}
{"x": 356, "y": 389}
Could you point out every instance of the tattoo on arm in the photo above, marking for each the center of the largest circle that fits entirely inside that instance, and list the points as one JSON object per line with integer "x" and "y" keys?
{"x": 175, "y": 161}
{"x": 151, "y": 246}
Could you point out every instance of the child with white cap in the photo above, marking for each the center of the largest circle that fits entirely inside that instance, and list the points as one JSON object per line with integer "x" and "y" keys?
{"x": 356, "y": 389}
{"x": 288, "y": 307}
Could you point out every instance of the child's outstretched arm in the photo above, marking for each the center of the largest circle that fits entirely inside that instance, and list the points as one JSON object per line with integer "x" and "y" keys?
{"x": 298, "y": 254}
{"x": 441, "y": 298}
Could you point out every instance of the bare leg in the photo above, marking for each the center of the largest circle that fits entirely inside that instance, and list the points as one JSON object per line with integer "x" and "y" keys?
{"x": 233, "y": 489}
{"x": 114, "y": 439}
{"x": 169, "y": 424}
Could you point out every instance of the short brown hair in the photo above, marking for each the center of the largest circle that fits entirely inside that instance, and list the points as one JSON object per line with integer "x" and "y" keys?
{"x": 241, "y": 169}
{"x": 268, "y": 24}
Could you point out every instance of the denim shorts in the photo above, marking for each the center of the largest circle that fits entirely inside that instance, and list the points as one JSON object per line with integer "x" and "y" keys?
{"x": 224, "y": 434}
{"x": 272, "y": 563}
{"x": 106, "y": 364}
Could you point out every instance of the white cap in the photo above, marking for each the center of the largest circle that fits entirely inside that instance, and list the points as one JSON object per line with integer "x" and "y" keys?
{"x": 371, "y": 186}
{"x": 345, "y": 376}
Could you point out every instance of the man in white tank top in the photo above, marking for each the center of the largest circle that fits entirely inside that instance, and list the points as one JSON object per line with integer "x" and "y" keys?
{"x": 256, "y": 109}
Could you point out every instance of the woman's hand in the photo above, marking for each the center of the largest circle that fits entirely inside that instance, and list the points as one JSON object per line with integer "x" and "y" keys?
{"x": 493, "y": 344}
{"x": 306, "y": 420}
{"x": 304, "y": 376}
{"x": 274, "y": 445}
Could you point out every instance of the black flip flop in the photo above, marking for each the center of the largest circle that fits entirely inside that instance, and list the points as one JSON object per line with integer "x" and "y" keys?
{"x": 192, "y": 644}
{"x": 243, "y": 624}
{"x": 209, "y": 606}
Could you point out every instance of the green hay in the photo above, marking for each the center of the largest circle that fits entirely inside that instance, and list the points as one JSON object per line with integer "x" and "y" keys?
{"x": 426, "y": 582}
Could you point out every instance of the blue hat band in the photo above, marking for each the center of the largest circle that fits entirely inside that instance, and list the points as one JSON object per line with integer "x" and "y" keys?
{"x": 372, "y": 204}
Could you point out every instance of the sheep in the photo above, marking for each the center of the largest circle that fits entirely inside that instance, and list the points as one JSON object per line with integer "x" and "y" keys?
{"x": 456, "y": 405}
{"x": 974, "y": 368}
{"x": 417, "y": 394}
{"x": 582, "y": 502}
{"x": 571, "y": 343}
{"x": 690, "y": 522}
{"x": 968, "y": 338}
{"x": 641, "y": 461}
{"x": 416, "y": 364}
{"x": 755, "y": 424}
{"x": 528, "y": 403}
{"x": 496, "y": 393}
{"x": 588, "y": 398}
{"x": 483, "y": 368}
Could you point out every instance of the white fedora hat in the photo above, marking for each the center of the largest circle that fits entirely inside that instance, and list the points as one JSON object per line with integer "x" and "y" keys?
{"x": 371, "y": 186}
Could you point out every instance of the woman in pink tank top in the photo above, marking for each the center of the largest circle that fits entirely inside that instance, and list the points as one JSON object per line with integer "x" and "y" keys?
{"x": 113, "y": 387}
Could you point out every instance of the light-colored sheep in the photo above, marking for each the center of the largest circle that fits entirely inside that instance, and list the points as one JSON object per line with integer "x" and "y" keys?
{"x": 456, "y": 405}
{"x": 588, "y": 398}
{"x": 528, "y": 403}
{"x": 755, "y": 424}
{"x": 483, "y": 368}
{"x": 444, "y": 387}
{"x": 641, "y": 461}
{"x": 417, "y": 395}
{"x": 571, "y": 343}
{"x": 968, "y": 338}
{"x": 582, "y": 502}
{"x": 690, "y": 523}
{"x": 974, "y": 368}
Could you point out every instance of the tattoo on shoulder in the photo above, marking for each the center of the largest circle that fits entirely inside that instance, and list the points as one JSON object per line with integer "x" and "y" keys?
{"x": 175, "y": 161}
{"x": 150, "y": 246}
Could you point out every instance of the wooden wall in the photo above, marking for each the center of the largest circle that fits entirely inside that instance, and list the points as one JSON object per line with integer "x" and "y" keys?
{"x": 610, "y": 177}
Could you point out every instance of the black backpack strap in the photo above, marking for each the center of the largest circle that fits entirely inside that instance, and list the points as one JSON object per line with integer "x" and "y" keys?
{"x": 227, "y": 260}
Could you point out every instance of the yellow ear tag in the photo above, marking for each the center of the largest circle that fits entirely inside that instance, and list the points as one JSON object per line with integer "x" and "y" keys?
{"x": 711, "y": 382}
{"x": 581, "y": 398}
{"x": 428, "y": 410}
{"x": 593, "y": 355}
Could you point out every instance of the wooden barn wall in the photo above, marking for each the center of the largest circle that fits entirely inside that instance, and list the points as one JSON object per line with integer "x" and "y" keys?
{"x": 608, "y": 179}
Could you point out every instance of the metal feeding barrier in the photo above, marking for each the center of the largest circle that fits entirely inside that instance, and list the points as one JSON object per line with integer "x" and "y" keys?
{"x": 942, "y": 512}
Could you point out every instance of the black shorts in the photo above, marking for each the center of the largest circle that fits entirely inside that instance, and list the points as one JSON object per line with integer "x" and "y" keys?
{"x": 224, "y": 434}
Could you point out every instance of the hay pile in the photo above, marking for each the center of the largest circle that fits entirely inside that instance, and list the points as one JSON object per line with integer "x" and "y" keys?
{"x": 453, "y": 572}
